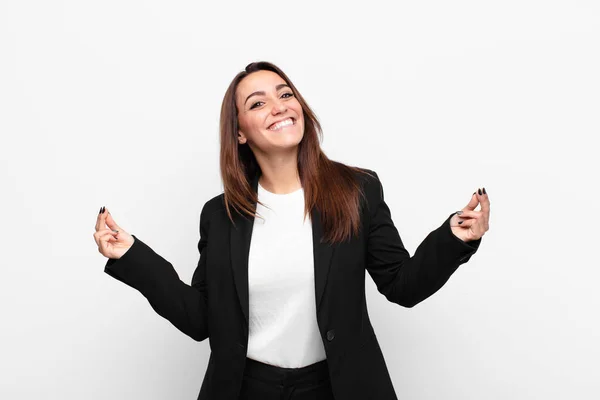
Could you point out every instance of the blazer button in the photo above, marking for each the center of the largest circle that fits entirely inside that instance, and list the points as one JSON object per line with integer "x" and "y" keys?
{"x": 331, "y": 335}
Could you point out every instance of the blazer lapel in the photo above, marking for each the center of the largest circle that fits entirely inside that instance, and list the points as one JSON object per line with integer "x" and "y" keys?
{"x": 240, "y": 237}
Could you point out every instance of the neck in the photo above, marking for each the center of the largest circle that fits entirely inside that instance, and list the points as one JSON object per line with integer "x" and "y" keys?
{"x": 280, "y": 175}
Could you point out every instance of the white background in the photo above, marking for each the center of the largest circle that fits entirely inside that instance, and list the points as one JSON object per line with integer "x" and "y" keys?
{"x": 117, "y": 103}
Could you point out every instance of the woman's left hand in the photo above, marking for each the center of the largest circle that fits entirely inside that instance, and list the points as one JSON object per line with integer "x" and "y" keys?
{"x": 469, "y": 224}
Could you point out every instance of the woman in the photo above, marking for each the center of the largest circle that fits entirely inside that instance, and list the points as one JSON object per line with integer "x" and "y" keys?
{"x": 279, "y": 286}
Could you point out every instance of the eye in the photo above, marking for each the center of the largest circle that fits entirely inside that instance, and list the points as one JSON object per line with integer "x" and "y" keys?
{"x": 290, "y": 95}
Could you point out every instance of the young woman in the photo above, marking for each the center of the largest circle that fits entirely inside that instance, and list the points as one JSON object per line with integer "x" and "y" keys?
{"x": 279, "y": 289}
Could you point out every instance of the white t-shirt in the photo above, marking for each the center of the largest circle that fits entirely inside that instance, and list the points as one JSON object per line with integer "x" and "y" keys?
{"x": 283, "y": 328}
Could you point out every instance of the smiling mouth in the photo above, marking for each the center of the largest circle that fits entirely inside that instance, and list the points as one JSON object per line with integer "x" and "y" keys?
{"x": 283, "y": 124}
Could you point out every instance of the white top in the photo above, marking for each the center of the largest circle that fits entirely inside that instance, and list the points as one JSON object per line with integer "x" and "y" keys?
{"x": 283, "y": 328}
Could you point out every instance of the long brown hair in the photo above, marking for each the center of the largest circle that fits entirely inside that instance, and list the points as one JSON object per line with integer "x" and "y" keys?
{"x": 328, "y": 185}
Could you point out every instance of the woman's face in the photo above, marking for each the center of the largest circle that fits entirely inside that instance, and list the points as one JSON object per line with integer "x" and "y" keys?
{"x": 263, "y": 99}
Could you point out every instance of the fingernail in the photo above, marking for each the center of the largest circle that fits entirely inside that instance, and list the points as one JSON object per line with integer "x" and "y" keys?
{"x": 459, "y": 212}
{"x": 474, "y": 192}
{"x": 100, "y": 212}
{"x": 460, "y": 222}
{"x": 103, "y": 209}
{"x": 479, "y": 190}
{"x": 484, "y": 192}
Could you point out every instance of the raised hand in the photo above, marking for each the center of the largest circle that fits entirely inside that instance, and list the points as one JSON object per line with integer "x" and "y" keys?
{"x": 469, "y": 224}
{"x": 113, "y": 241}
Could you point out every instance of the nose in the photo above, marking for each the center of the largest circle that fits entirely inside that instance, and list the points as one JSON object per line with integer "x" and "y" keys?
{"x": 279, "y": 108}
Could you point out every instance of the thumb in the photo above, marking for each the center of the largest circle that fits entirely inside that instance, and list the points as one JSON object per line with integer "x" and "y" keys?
{"x": 473, "y": 203}
{"x": 111, "y": 222}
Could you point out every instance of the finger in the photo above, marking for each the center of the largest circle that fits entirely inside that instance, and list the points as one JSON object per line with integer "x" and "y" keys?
{"x": 454, "y": 221}
{"x": 477, "y": 226}
{"x": 107, "y": 235}
{"x": 102, "y": 231}
{"x": 472, "y": 203}
{"x": 485, "y": 203}
{"x": 470, "y": 214}
{"x": 98, "y": 234}
{"x": 104, "y": 239}
{"x": 99, "y": 220}
{"x": 102, "y": 234}
{"x": 474, "y": 225}
{"x": 467, "y": 223}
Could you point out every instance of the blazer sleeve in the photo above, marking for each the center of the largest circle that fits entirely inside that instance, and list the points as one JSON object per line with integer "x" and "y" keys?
{"x": 154, "y": 277}
{"x": 407, "y": 280}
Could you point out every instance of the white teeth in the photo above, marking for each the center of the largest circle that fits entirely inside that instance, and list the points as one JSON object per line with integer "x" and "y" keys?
{"x": 282, "y": 124}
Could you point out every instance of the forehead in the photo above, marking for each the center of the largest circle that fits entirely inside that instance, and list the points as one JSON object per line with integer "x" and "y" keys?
{"x": 259, "y": 80}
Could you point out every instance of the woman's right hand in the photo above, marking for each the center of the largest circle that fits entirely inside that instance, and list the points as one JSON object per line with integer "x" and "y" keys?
{"x": 113, "y": 241}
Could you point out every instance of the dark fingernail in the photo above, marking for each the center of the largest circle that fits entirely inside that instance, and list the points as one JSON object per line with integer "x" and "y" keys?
{"x": 460, "y": 222}
{"x": 479, "y": 190}
{"x": 100, "y": 212}
{"x": 103, "y": 209}
{"x": 474, "y": 192}
{"x": 484, "y": 192}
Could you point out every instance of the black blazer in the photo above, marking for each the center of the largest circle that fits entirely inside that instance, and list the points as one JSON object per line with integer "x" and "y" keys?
{"x": 215, "y": 306}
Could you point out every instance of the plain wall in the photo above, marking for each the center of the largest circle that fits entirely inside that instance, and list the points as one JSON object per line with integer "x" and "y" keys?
{"x": 117, "y": 104}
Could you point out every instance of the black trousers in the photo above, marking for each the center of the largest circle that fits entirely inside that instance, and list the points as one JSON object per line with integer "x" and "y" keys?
{"x": 269, "y": 382}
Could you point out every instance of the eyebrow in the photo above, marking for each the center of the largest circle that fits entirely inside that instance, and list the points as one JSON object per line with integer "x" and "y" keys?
{"x": 261, "y": 93}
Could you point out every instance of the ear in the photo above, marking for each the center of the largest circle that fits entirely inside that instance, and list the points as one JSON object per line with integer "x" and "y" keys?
{"x": 241, "y": 137}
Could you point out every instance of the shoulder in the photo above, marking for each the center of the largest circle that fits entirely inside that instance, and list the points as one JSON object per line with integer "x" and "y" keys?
{"x": 369, "y": 181}
{"x": 367, "y": 176}
{"x": 215, "y": 204}
{"x": 371, "y": 188}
